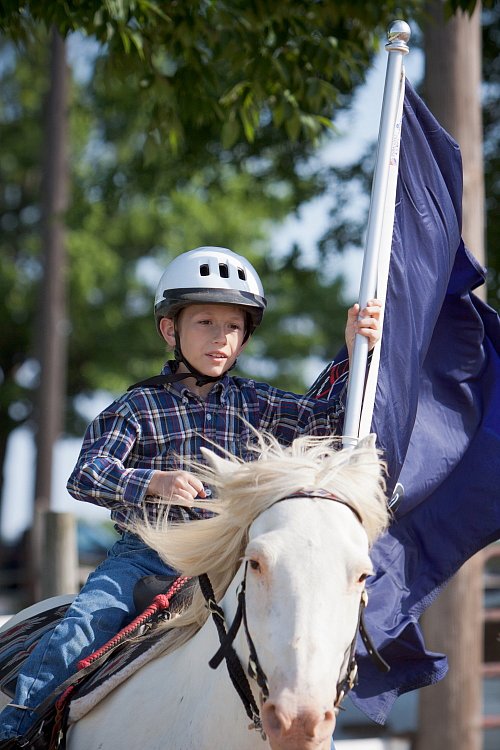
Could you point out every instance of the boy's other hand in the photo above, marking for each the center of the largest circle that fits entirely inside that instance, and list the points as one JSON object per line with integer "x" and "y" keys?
{"x": 175, "y": 486}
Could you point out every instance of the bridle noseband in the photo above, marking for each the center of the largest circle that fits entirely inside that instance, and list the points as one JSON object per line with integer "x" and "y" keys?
{"x": 254, "y": 669}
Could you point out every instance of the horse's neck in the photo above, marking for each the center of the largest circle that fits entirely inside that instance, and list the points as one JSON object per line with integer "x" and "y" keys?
{"x": 183, "y": 702}
{"x": 206, "y": 697}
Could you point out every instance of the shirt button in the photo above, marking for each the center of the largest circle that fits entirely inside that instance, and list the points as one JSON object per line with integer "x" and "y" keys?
{"x": 209, "y": 417}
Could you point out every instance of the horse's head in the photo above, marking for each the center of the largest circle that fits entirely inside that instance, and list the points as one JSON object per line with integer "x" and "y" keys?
{"x": 306, "y": 562}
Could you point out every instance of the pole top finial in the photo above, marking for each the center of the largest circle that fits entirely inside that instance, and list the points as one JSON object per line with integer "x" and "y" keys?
{"x": 398, "y": 35}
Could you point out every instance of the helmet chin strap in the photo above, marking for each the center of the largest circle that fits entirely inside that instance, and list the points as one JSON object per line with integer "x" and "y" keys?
{"x": 199, "y": 377}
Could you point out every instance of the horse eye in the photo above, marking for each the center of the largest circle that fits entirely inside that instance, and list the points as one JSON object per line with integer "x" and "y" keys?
{"x": 254, "y": 564}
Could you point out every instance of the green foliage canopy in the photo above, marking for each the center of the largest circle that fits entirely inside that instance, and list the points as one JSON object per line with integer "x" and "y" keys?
{"x": 230, "y": 64}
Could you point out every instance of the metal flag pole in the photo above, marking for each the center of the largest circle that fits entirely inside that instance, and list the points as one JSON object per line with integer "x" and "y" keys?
{"x": 398, "y": 36}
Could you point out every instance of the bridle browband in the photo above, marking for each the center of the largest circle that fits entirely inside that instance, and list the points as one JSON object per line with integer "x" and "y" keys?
{"x": 254, "y": 670}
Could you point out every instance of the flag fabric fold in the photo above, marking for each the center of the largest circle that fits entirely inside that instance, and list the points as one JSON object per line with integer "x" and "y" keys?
{"x": 436, "y": 412}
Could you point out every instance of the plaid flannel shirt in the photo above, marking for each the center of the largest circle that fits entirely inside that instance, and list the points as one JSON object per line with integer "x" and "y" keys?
{"x": 163, "y": 428}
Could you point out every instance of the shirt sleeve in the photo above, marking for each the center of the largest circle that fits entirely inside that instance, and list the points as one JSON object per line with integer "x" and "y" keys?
{"x": 287, "y": 415}
{"x": 331, "y": 383}
{"x": 101, "y": 475}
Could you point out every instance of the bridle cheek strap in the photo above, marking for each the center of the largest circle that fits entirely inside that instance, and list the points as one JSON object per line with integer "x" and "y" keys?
{"x": 227, "y": 652}
{"x": 371, "y": 649}
{"x": 351, "y": 677}
{"x": 254, "y": 668}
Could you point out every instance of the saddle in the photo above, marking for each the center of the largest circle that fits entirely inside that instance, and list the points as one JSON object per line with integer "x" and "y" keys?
{"x": 156, "y": 598}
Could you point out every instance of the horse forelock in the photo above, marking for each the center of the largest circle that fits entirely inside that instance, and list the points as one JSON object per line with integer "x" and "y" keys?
{"x": 246, "y": 489}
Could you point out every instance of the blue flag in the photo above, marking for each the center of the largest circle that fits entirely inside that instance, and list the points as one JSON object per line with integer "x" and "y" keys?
{"x": 436, "y": 412}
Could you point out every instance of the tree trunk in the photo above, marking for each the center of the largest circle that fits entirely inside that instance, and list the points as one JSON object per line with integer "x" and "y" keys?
{"x": 450, "y": 713}
{"x": 452, "y": 91}
{"x": 53, "y": 325}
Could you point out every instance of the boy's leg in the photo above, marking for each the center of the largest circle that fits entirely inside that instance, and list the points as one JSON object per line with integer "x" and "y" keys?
{"x": 103, "y": 607}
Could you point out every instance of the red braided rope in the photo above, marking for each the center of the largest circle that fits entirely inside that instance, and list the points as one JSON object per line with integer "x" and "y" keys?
{"x": 159, "y": 603}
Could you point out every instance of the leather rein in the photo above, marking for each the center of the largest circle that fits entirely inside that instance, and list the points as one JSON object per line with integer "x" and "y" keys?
{"x": 254, "y": 668}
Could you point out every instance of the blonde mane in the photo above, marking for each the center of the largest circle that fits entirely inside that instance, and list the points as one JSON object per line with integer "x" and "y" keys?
{"x": 215, "y": 545}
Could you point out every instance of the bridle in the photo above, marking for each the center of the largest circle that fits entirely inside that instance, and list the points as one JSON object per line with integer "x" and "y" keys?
{"x": 226, "y": 651}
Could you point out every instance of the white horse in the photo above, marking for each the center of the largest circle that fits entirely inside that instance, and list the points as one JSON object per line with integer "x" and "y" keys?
{"x": 291, "y": 534}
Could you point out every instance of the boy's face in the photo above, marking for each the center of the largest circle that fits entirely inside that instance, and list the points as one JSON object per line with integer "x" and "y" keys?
{"x": 211, "y": 336}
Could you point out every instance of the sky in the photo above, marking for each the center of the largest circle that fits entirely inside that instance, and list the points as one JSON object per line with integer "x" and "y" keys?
{"x": 356, "y": 130}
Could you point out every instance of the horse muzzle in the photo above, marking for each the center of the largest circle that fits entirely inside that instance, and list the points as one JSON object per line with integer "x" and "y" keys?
{"x": 304, "y": 729}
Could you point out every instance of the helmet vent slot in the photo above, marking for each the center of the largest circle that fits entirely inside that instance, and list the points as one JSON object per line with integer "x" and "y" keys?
{"x": 241, "y": 274}
{"x": 204, "y": 269}
{"x": 223, "y": 271}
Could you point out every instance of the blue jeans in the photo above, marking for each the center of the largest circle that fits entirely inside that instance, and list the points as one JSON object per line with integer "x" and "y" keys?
{"x": 104, "y": 606}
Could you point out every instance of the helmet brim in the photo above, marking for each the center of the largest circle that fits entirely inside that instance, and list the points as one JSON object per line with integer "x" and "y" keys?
{"x": 175, "y": 299}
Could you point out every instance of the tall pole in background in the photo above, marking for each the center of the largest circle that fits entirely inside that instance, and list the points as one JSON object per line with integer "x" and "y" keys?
{"x": 450, "y": 713}
{"x": 52, "y": 329}
{"x": 52, "y": 321}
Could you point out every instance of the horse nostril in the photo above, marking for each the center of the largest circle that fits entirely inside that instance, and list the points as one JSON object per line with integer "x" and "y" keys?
{"x": 330, "y": 717}
{"x": 314, "y": 723}
{"x": 276, "y": 720}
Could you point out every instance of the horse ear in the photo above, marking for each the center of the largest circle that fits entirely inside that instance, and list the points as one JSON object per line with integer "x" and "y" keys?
{"x": 369, "y": 442}
{"x": 219, "y": 464}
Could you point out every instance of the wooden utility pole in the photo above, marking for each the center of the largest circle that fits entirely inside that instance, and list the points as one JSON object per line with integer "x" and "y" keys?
{"x": 450, "y": 713}
{"x": 52, "y": 322}
{"x": 452, "y": 91}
